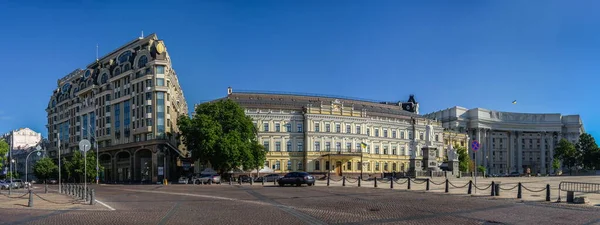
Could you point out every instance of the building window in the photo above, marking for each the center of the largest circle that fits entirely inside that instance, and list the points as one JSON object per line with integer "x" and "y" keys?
{"x": 394, "y": 151}
{"x": 421, "y": 136}
{"x": 403, "y": 151}
{"x": 376, "y": 166}
{"x": 385, "y": 166}
{"x": 376, "y": 149}
{"x": 317, "y": 165}
{"x": 278, "y": 146}
{"x": 277, "y": 127}
{"x": 266, "y": 127}
{"x": 357, "y": 129}
{"x": 142, "y": 61}
{"x": 410, "y": 135}
{"x": 317, "y": 128}
{"x": 327, "y": 127}
{"x": 266, "y": 144}
{"x": 401, "y": 134}
{"x": 160, "y": 82}
{"x": 358, "y": 166}
{"x": 349, "y": 165}
{"x": 160, "y": 113}
{"x": 348, "y": 147}
{"x": 385, "y": 133}
{"x": 385, "y": 150}
{"x": 393, "y": 166}
{"x": 358, "y": 147}
{"x": 266, "y": 165}
{"x": 437, "y": 137}
{"x": 368, "y": 132}
{"x": 299, "y": 126}
{"x": 300, "y": 147}
{"x": 328, "y": 146}
{"x": 289, "y": 165}
{"x": 348, "y": 130}
{"x": 160, "y": 69}
{"x": 338, "y": 146}
{"x": 317, "y": 146}
{"x": 277, "y": 165}
{"x": 376, "y": 132}
{"x": 338, "y": 128}
{"x": 393, "y": 134}
{"x": 288, "y": 127}
{"x": 289, "y": 146}
{"x": 326, "y": 165}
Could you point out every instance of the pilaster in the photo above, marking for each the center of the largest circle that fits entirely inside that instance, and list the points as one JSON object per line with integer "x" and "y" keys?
{"x": 543, "y": 153}
{"x": 519, "y": 152}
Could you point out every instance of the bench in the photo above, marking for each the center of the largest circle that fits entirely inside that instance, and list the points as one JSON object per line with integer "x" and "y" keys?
{"x": 572, "y": 187}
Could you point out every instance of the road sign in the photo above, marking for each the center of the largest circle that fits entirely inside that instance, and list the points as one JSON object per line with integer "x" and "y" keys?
{"x": 475, "y": 145}
{"x": 39, "y": 153}
{"x": 84, "y": 145}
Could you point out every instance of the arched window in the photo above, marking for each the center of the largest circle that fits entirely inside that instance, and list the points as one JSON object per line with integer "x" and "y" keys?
{"x": 376, "y": 166}
{"x": 89, "y": 83}
{"x": 142, "y": 61}
{"x": 53, "y": 103}
{"x": 117, "y": 71}
{"x": 317, "y": 165}
{"x": 104, "y": 78}
{"x": 87, "y": 74}
{"x": 124, "y": 56}
{"x": 349, "y": 165}
{"x": 385, "y": 166}
{"x": 126, "y": 67}
{"x": 394, "y": 166}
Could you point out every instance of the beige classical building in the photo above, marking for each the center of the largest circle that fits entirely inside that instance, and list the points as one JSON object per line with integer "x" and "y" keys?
{"x": 321, "y": 134}
{"x": 512, "y": 142}
{"x": 127, "y": 102}
{"x": 22, "y": 138}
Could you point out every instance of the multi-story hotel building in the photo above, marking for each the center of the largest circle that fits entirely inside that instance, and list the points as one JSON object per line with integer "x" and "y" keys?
{"x": 127, "y": 102}
{"x": 512, "y": 142}
{"x": 22, "y": 138}
{"x": 321, "y": 134}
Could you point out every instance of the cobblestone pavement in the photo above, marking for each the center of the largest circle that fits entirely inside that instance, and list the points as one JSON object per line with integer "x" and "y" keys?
{"x": 257, "y": 204}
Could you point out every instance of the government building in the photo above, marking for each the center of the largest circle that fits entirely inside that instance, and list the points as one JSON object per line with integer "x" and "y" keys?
{"x": 321, "y": 134}
{"x": 512, "y": 142}
{"x": 126, "y": 103}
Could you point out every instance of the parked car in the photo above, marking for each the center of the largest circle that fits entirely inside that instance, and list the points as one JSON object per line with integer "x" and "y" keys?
{"x": 52, "y": 181}
{"x": 297, "y": 178}
{"x": 19, "y": 183}
{"x": 183, "y": 180}
{"x": 268, "y": 178}
{"x": 514, "y": 174}
{"x": 205, "y": 178}
{"x": 4, "y": 185}
{"x": 245, "y": 178}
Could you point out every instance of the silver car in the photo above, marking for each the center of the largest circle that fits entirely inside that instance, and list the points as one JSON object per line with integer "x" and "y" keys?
{"x": 206, "y": 178}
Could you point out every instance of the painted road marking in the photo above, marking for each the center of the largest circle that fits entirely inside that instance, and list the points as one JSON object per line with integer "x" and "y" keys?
{"x": 105, "y": 205}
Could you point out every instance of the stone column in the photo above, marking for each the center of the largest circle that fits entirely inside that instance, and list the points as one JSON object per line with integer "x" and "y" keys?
{"x": 519, "y": 152}
{"x": 551, "y": 145}
{"x": 543, "y": 154}
{"x": 488, "y": 152}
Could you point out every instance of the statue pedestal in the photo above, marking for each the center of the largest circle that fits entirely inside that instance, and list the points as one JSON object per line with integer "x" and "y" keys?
{"x": 415, "y": 164}
{"x": 453, "y": 166}
{"x": 430, "y": 158}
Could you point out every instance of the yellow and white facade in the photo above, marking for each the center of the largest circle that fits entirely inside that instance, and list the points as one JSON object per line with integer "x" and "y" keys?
{"x": 324, "y": 134}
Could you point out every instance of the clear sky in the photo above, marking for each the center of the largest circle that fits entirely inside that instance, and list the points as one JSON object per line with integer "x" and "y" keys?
{"x": 472, "y": 53}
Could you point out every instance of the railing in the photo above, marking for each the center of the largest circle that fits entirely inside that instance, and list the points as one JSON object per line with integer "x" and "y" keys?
{"x": 571, "y": 187}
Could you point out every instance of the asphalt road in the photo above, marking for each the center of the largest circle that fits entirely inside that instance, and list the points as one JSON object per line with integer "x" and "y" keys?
{"x": 224, "y": 204}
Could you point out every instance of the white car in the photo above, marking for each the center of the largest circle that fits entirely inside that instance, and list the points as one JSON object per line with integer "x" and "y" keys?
{"x": 183, "y": 180}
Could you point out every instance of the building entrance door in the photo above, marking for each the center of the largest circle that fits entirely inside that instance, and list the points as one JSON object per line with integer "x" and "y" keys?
{"x": 338, "y": 168}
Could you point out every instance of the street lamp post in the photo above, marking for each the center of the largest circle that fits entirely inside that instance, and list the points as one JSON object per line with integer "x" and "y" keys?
{"x": 37, "y": 149}
{"x": 10, "y": 162}
{"x": 84, "y": 146}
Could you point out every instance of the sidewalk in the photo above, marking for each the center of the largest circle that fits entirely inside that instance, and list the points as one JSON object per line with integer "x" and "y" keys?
{"x": 19, "y": 199}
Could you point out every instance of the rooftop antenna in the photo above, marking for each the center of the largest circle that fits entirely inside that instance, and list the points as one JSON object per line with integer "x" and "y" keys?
{"x": 96, "y": 52}
{"x": 142, "y": 37}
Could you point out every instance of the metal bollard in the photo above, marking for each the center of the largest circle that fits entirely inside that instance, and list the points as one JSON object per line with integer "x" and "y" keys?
{"x": 470, "y": 187}
{"x": 408, "y": 183}
{"x": 547, "y": 192}
{"x": 392, "y": 183}
{"x": 263, "y": 181}
{"x": 210, "y": 181}
{"x": 46, "y": 188}
{"x": 447, "y": 187}
{"x": 86, "y": 193}
{"x": 497, "y": 187}
{"x": 92, "y": 197}
{"x": 240, "y": 180}
{"x": 359, "y": 179}
{"x": 327, "y": 181}
{"x": 427, "y": 186}
{"x": 30, "y": 203}
{"x": 343, "y": 181}
{"x": 251, "y": 181}
{"x": 275, "y": 181}
{"x": 519, "y": 195}
{"x": 230, "y": 180}
{"x": 493, "y": 189}
{"x": 375, "y": 184}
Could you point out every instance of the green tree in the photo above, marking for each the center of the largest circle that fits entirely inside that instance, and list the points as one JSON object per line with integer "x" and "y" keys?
{"x": 463, "y": 158}
{"x": 3, "y": 151}
{"x": 566, "y": 152}
{"x": 555, "y": 164}
{"x": 10, "y": 174}
{"x": 588, "y": 151}
{"x": 481, "y": 169}
{"x": 75, "y": 167}
{"x": 221, "y": 134}
{"x": 44, "y": 169}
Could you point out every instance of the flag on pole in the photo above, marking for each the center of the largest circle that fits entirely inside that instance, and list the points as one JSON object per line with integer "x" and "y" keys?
{"x": 514, "y": 102}
{"x": 363, "y": 145}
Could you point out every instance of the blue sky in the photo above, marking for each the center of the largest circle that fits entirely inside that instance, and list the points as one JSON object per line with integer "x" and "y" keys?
{"x": 472, "y": 53}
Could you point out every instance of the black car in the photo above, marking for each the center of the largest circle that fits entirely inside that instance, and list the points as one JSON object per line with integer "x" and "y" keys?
{"x": 297, "y": 178}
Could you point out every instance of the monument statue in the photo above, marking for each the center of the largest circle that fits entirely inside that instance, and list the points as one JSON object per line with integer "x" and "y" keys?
{"x": 452, "y": 155}
{"x": 429, "y": 134}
